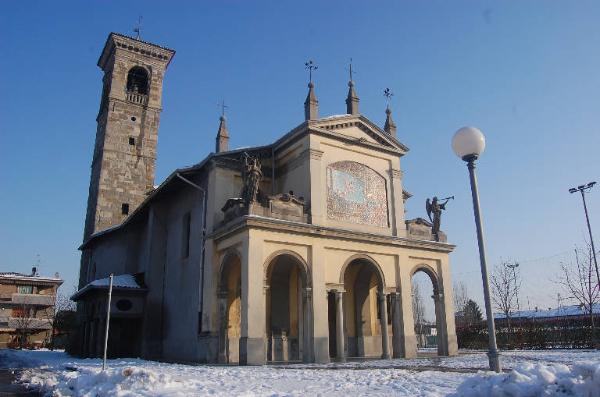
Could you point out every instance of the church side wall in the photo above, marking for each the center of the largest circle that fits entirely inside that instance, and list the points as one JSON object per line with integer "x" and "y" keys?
{"x": 182, "y": 275}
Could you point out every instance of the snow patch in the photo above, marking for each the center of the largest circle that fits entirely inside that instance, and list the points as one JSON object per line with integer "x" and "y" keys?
{"x": 536, "y": 379}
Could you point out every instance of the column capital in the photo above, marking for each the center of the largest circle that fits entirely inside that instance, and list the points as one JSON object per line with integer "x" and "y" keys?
{"x": 315, "y": 154}
{"x": 381, "y": 295}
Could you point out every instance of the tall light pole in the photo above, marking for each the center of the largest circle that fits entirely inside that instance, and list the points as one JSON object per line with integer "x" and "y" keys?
{"x": 513, "y": 266}
{"x": 468, "y": 143}
{"x": 583, "y": 189}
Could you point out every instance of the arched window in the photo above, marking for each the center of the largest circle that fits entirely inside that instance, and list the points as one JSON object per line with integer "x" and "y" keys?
{"x": 137, "y": 81}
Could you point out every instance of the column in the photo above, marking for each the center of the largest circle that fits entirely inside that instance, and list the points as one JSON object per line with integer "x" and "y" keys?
{"x": 307, "y": 325}
{"x": 223, "y": 359}
{"x": 339, "y": 325}
{"x": 385, "y": 343}
{"x": 397, "y": 327}
{"x": 440, "y": 324}
{"x": 252, "y": 340}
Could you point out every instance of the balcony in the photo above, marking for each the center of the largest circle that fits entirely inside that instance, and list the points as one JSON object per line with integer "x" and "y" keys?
{"x": 33, "y": 299}
{"x": 25, "y": 323}
{"x": 134, "y": 97}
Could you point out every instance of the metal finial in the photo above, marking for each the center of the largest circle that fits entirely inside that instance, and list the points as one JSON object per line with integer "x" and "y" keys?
{"x": 138, "y": 28}
{"x": 223, "y": 107}
{"x": 351, "y": 71}
{"x": 310, "y": 66}
{"x": 388, "y": 94}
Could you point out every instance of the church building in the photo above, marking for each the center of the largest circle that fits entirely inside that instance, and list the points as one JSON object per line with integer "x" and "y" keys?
{"x": 296, "y": 251}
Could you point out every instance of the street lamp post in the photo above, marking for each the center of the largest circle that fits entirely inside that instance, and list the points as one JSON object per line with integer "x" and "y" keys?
{"x": 583, "y": 189}
{"x": 513, "y": 266}
{"x": 468, "y": 143}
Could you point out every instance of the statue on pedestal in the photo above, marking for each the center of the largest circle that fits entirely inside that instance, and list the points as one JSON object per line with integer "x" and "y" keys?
{"x": 435, "y": 208}
{"x": 251, "y": 177}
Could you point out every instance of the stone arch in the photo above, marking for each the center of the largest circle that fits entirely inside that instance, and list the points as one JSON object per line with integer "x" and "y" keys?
{"x": 288, "y": 307}
{"x": 365, "y": 317}
{"x": 269, "y": 262}
{"x": 431, "y": 272}
{"x": 229, "y": 296}
{"x": 438, "y": 296}
{"x": 370, "y": 260}
{"x": 230, "y": 254}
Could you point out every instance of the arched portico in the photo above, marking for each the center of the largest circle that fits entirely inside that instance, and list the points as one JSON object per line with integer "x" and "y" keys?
{"x": 358, "y": 325}
{"x": 439, "y": 307}
{"x": 229, "y": 299}
{"x": 288, "y": 308}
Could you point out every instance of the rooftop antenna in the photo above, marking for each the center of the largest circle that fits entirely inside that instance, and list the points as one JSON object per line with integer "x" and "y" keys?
{"x": 138, "y": 28}
{"x": 388, "y": 94}
{"x": 223, "y": 107}
{"x": 310, "y": 66}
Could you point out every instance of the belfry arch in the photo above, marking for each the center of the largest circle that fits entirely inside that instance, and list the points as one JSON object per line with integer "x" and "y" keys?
{"x": 137, "y": 80}
{"x": 288, "y": 308}
{"x": 230, "y": 299}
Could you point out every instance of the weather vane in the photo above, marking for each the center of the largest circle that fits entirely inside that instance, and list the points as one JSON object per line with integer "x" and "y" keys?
{"x": 223, "y": 107}
{"x": 138, "y": 28}
{"x": 351, "y": 71}
{"x": 310, "y": 66}
{"x": 388, "y": 94}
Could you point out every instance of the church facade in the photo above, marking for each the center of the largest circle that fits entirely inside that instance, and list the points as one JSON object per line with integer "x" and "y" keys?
{"x": 297, "y": 251}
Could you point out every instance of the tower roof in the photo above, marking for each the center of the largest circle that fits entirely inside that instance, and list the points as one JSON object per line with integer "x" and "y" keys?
{"x": 311, "y": 104}
{"x": 127, "y": 43}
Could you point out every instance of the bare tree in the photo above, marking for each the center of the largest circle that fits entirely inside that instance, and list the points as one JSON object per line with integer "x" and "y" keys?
{"x": 578, "y": 281}
{"x": 506, "y": 283}
{"x": 54, "y": 315}
{"x": 418, "y": 307}
{"x": 461, "y": 296}
{"x": 23, "y": 318}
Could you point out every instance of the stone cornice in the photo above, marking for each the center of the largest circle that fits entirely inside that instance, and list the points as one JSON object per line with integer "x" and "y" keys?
{"x": 256, "y": 222}
{"x": 115, "y": 40}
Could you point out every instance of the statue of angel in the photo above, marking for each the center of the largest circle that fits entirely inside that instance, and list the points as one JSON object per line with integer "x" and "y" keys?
{"x": 435, "y": 208}
{"x": 251, "y": 177}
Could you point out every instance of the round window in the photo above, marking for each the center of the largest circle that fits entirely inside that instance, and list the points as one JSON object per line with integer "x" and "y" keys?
{"x": 124, "y": 305}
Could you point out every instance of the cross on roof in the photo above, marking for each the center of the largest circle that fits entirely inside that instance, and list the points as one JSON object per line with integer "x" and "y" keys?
{"x": 310, "y": 66}
{"x": 138, "y": 28}
{"x": 388, "y": 94}
{"x": 351, "y": 71}
{"x": 223, "y": 107}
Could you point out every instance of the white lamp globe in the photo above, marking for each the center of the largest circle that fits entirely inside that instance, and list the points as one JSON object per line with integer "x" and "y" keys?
{"x": 468, "y": 143}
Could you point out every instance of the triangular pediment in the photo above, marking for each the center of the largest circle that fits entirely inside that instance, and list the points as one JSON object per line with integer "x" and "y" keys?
{"x": 357, "y": 128}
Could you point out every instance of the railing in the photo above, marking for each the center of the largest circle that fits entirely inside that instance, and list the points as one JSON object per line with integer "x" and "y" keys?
{"x": 33, "y": 299}
{"x": 25, "y": 323}
{"x": 134, "y": 97}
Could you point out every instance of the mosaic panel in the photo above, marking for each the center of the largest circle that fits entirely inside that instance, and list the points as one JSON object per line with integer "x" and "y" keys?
{"x": 357, "y": 194}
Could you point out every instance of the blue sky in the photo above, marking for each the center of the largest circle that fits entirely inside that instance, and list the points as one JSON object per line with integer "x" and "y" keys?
{"x": 527, "y": 73}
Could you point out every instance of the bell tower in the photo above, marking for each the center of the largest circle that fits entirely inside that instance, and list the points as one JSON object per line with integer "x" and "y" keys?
{"x": 124, "y": 158}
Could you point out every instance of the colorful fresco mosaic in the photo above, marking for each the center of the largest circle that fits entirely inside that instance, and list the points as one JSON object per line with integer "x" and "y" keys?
{"x": 357, "y": 194}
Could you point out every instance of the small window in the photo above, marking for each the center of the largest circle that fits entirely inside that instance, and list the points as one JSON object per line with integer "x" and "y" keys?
{"x": 125, "y": 209}
{"x": 132, "y": 141}
{"x": 25, "y": 289}
{"x": 187, "y": 220}
{"x": 124, "y": 305}
{"x": 133, "y": 118}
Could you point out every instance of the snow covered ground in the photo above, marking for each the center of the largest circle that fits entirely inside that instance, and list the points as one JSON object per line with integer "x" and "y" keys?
{"x": 534, "y": 373}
